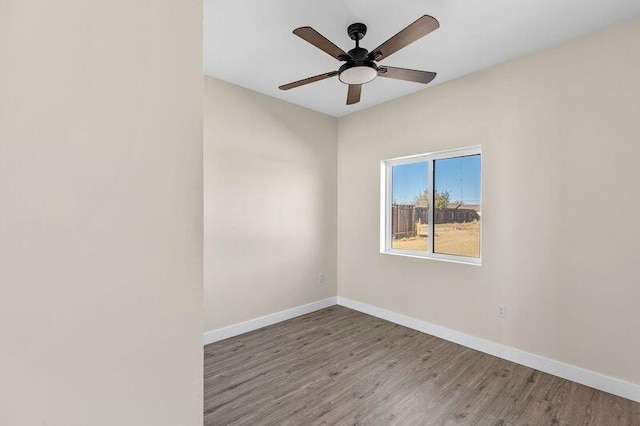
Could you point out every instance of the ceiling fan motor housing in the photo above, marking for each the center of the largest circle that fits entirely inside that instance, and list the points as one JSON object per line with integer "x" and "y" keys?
{"x": 358, "y": 69}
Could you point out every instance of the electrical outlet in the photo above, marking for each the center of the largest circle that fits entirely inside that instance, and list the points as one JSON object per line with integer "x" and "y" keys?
{"x": 321, "y": 277}
{"x": 502, "y": 312}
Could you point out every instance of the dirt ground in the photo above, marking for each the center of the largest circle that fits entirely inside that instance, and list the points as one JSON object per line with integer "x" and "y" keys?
{"x": 462, "y": 239}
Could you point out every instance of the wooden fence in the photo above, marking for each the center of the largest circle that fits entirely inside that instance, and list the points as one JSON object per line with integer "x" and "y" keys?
{"x": 406, "y": 218}
{"x": 403, "y": 220}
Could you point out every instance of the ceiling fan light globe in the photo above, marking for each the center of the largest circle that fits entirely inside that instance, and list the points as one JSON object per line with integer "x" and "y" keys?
{"x": 358, "y": 75}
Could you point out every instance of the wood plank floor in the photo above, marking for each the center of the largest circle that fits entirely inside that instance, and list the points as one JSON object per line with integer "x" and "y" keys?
{"x": 341, "y": 367}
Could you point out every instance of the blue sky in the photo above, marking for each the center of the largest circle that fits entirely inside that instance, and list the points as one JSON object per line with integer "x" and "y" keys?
{"x": 460, "y": 176}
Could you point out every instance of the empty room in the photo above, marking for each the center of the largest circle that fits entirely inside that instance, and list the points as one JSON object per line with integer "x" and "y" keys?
{"x": 296, "y": 212}
{"x": 420, "y": 213}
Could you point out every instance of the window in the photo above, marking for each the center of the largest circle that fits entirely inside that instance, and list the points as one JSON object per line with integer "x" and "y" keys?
{"x": 431, "y": 206}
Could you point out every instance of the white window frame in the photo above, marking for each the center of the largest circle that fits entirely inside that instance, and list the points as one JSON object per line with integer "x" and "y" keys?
{"x": 386, "y": 195}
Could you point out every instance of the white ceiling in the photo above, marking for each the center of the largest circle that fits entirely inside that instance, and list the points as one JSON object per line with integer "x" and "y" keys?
{"x": 250, "y": 42}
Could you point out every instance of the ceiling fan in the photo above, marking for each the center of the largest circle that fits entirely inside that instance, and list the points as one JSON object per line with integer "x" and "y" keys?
{"x": 359, "y": 64}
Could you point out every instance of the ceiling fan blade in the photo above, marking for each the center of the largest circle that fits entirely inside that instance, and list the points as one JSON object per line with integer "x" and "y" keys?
{"x": 413, "y": 32}
{"x": 417, "y": 76}
{"x": 353, "y": 95}
{"x": 308, "y": 80}
{"x": 321, "y": 42}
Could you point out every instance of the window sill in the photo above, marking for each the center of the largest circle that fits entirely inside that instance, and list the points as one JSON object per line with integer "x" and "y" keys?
{"x": 439, "y": 257}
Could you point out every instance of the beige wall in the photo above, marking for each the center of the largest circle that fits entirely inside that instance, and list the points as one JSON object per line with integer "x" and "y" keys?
{"x": 269, "y": 205}
{"x": 560, "y": 135}
{"x": 100, "y": 213}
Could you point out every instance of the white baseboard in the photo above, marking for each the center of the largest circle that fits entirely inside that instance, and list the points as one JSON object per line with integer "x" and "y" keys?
{"x": 566, "y": 371}
{"x": 254, "y": 324}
